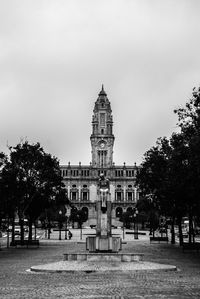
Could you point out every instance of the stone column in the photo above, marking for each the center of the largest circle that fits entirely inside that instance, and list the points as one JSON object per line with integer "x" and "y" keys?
{"x": 79, "y": 193}
{"x": 124, "y": 194}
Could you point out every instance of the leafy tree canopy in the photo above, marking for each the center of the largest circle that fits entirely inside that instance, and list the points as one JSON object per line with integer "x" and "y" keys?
{"x": 33, "y": 180}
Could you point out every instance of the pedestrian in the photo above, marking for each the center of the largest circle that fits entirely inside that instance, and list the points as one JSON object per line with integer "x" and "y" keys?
{"x": 70, "y": 235}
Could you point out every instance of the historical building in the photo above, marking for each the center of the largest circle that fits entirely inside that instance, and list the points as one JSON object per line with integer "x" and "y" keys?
{"x": 81, "y": 180}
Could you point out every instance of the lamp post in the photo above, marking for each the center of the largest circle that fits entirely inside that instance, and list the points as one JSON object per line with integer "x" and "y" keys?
{"x": 123, "y": 230}
{"x": 80, "y": 223}
{"x": 66, "y": 229}
{"x": 135, "y": 225}
{"x": 8, "y": 235}
{"x": 60, "y": 215}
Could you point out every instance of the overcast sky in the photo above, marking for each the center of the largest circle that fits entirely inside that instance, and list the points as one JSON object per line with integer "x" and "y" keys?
{"x": 55, "y": 55}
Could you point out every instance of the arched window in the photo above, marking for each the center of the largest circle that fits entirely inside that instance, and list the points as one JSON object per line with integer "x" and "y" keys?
{"x": 129, "y": 196}
{"x": 118, "y": 196}
{"x": 73, "y": 210}
{"x": 118, "y": 212}
{"x": 74, "y": 193}
{"x": 129, "y": 209}
{"x": 85, "y": 195}
{"x": 85, "y": 210}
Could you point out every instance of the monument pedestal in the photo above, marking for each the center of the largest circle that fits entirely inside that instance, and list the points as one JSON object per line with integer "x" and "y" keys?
{"x": 103, "y": 241}
{"x": 103, "y": 244}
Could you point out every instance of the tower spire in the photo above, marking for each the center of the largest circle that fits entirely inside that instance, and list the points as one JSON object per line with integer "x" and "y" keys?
{"x": 102, "y": 92}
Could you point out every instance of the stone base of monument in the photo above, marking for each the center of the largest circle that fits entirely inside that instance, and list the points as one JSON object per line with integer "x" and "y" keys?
{"x": 103, "y": 244}
{"x": 72, "y": 266}
{"x": 104, "y": 257}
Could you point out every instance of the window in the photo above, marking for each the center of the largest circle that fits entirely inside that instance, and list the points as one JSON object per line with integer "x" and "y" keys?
{"x": 102, "y": 119}
{"x": 129, "y": 197}
{"x": 85, "y": 211}
{"x": 73, "y": 195}
{"x": 85, "y": 173}
{"x": 74, "y": 172}
{"x": 118, "y": 212}
{"x": 119, "y": 196}
{"x": 85, "y": 197}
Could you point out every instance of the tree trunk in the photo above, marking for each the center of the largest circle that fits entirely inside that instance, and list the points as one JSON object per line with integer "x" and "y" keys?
{"x": 180, "y": 230}
{"x": 49, "y": 230}
{"x": 190, "y": 228}
{"x": 35, "y": 230}
{"x": 13, "y": 230}
{"x": 142, "y": 225}
{"x": 22, "y": 230}
{"x": 172, "y": 231}
{"x": 30, "y": 235}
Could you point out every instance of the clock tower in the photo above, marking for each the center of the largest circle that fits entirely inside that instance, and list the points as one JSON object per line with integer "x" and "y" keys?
{"x": 102, "y": 138}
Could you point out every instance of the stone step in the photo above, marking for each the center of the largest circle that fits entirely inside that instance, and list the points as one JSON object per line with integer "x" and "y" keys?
{"x": 104, "y": 256}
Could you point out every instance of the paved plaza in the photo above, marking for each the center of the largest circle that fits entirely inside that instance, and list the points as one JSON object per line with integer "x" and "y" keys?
{"x": 17, "y": 282}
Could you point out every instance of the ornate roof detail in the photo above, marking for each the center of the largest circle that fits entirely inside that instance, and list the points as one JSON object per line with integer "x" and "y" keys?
{"x": 102, "y": 92}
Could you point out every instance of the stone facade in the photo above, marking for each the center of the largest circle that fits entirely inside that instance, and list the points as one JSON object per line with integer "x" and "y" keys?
{"x": 81, "y": 180}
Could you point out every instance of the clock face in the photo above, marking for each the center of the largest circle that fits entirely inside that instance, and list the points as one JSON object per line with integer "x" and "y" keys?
{"x": 102, "y": 145}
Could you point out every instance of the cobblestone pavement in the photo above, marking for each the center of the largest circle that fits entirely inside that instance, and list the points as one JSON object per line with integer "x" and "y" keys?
{"x": 17, "y": 282}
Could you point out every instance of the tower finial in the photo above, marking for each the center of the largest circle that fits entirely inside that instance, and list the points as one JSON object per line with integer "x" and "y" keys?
{"x": 102, "y": 92}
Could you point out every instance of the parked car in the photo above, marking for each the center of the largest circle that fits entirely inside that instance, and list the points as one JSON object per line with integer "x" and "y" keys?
{"x": 184, "y": 233}
{"x": 17, "y": 230}
{"x": 197, "y": 230}
{"x": 163, "y": 230}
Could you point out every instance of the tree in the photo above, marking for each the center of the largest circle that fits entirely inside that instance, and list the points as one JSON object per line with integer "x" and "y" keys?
{"x": 170, "y": 172}
{"x": 147, "y": 212}
{"x": 126, "y": 218}
{"x": 189, "y": 123}
{"x": 34, "y": 181}
{"x": 79, "y": 216}
{"x": 5, "y": 210}
{"x": 163, "y": 177}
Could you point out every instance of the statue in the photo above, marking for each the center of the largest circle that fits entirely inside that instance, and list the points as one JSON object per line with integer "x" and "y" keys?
{"x": 104, "y": 188}
{"x": 103, "y": 241}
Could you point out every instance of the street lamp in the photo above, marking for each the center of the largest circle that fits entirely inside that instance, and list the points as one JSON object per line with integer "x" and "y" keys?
{"x": 123, "y": 230}
{"x": 80, "y": 223}
{"x": 8, "y": 236}
{"x": 60, "y": 215}
{"x": 66, "y": 228}
{"x": 135, "y": 224}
